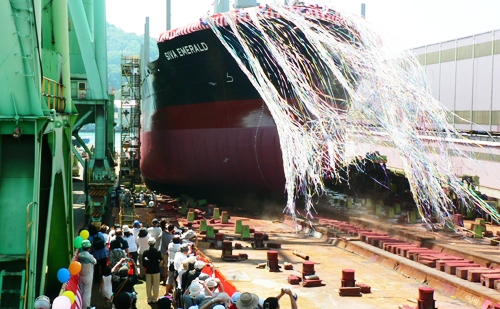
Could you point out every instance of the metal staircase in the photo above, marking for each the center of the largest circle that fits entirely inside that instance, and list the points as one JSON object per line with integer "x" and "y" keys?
{"x": 12, "y": 296}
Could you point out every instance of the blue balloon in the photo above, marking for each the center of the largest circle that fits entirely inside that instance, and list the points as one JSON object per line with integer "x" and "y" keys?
{"x": 63, "y": 275}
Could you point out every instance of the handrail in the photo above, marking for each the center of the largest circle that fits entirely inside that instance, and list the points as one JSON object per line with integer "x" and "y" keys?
{"x": 28, "y": 251}
{"x": 54, "y": 94}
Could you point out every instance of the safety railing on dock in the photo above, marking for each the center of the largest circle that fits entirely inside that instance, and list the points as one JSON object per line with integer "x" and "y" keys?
{"x": 54, "y": 92}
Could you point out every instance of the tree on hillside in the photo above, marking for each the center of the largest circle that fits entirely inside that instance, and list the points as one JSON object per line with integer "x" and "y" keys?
{"x": 123, "y": 43}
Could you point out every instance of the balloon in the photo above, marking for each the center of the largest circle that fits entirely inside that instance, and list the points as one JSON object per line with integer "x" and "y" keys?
{"x": 70, "y": 295}
{"x": 78, "y": 242}
{"x": 61, "y": 302}
{"x": 75, "y": 267}
{"x": 85, "y": 234}
{"x": 63, "y": 275}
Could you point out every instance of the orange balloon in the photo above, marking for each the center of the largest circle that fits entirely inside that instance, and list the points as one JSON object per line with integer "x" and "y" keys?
{"x": 75, "y": 268}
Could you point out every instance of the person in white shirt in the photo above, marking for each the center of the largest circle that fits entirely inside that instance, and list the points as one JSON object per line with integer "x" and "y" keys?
{"x": 143, "y": 245}
{"x": 155, "y": 231}
{"x": 135, "y": 230}
{"x": 173, "y": 248}
{"x": 131, "y": 240}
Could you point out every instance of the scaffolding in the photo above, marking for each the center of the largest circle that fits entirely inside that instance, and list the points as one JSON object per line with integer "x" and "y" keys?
{"x": 130, "y": 119}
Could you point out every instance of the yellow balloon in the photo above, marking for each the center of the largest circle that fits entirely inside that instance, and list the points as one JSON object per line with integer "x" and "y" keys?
{"x": 84, "y": 234}
{"x": 70, "y": 295}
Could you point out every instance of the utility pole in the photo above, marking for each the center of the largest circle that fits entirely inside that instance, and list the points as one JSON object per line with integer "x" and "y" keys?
{"x": 169, "y": 10}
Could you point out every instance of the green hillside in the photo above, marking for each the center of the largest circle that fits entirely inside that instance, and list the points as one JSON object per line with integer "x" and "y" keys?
{"x": 122, "y": 43}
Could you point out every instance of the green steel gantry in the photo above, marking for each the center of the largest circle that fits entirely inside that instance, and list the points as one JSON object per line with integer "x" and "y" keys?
{"x": 53, "y": 80}
{"x": 36, "y": 122}
{"x": 89, "y": 90}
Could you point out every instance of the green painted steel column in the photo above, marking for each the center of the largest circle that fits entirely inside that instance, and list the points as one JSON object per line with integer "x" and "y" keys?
{"x": 89, "y": 12}
{"x": 77, "y": 14}
{"x": 101, "y": 51}
{"x": 100, "y": 133}
{"x": 61, "y": 45}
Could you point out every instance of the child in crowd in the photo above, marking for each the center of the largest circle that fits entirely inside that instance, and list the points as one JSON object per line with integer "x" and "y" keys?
{"x": 106, "y": 287}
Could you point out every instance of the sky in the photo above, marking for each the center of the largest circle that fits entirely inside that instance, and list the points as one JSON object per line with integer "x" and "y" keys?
{"x": 411, "y": 23}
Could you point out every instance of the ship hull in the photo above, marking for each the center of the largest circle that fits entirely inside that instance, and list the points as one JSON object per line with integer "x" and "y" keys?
{"x": 204, "y": 123}
{"x": 245, "y": 159}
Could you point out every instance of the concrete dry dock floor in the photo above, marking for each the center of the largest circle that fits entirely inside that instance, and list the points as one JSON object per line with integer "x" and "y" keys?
{"x": 389, "y": 288}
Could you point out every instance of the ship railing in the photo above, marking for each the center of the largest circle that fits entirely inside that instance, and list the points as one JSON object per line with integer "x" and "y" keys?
{"x": 54, "y": 92}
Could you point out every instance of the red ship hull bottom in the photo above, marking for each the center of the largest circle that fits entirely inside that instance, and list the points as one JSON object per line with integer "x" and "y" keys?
{"x": 244, "y": 159}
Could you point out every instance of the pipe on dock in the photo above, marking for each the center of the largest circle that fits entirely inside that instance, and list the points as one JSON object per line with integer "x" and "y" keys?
{"x": 300, "y": 254}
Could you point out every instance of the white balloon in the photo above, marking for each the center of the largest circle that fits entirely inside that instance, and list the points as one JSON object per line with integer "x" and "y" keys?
{"x": 61, "y": 302}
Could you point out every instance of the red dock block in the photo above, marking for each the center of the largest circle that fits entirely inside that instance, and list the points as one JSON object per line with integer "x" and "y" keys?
{"x": 426, "y": 304}
{"x": 413, "y": 253}
{"x": 462, "y": 272}
{"x": 288, "y": 266}
{"x": 392, "y": 247}
{"x": 363, "y": 236}
{"x": 475, "y": 275}
{"x": 399, "y": 249}
{"x": 347, "y": 283}
{"x": 440, "y": 263}
{"x": 237, "y": 246}
{"x": 488, "y": 280}
{"x": 365, "y": 288}
{"x": 425, "y": 293}
{"x": 294, "y": 279}
{"x": 231, "y": 258}
{"x": 383, "y": 242}
{"x": 350, "y": 291}
{"x": 312, "y": 283}
{"x": 374, "y": 240}
{"x": 388, "y": 245}
{"x": 273, "y": 245}
{"x": 427, "y": 263}
{"x": 451, "y": 267}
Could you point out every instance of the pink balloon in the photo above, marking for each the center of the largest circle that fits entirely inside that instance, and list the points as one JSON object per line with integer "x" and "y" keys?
{"x": 61, "y": 302}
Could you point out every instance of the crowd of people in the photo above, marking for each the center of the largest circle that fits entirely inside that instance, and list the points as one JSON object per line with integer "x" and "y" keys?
{"x": 117, "y": 258}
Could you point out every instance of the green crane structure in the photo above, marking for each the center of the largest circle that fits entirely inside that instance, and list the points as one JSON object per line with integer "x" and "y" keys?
{"x": 89, "y": 90}
{"x": 48, "y": 48}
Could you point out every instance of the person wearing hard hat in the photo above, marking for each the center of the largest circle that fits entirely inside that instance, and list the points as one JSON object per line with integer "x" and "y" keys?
{"x": 87, "y": 272}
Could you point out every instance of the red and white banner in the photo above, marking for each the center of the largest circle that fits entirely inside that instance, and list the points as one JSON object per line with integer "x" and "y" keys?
{"x": 220, "y": 21}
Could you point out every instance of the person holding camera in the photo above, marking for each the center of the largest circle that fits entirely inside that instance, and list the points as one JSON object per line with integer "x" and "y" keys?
{"x": 122, "y": 281}
{"x": 273, "y": 302}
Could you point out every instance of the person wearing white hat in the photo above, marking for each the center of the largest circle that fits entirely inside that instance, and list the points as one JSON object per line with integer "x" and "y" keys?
{"x": 214, "y": 285}
{"x": 193, "y": 274}
{"x": 151, "y": 260}
{"x": 189, "y": 238}
{"x": 128, "y": 235}
{"x": 195, "y": 294}
{"x": 221, "y": 301}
